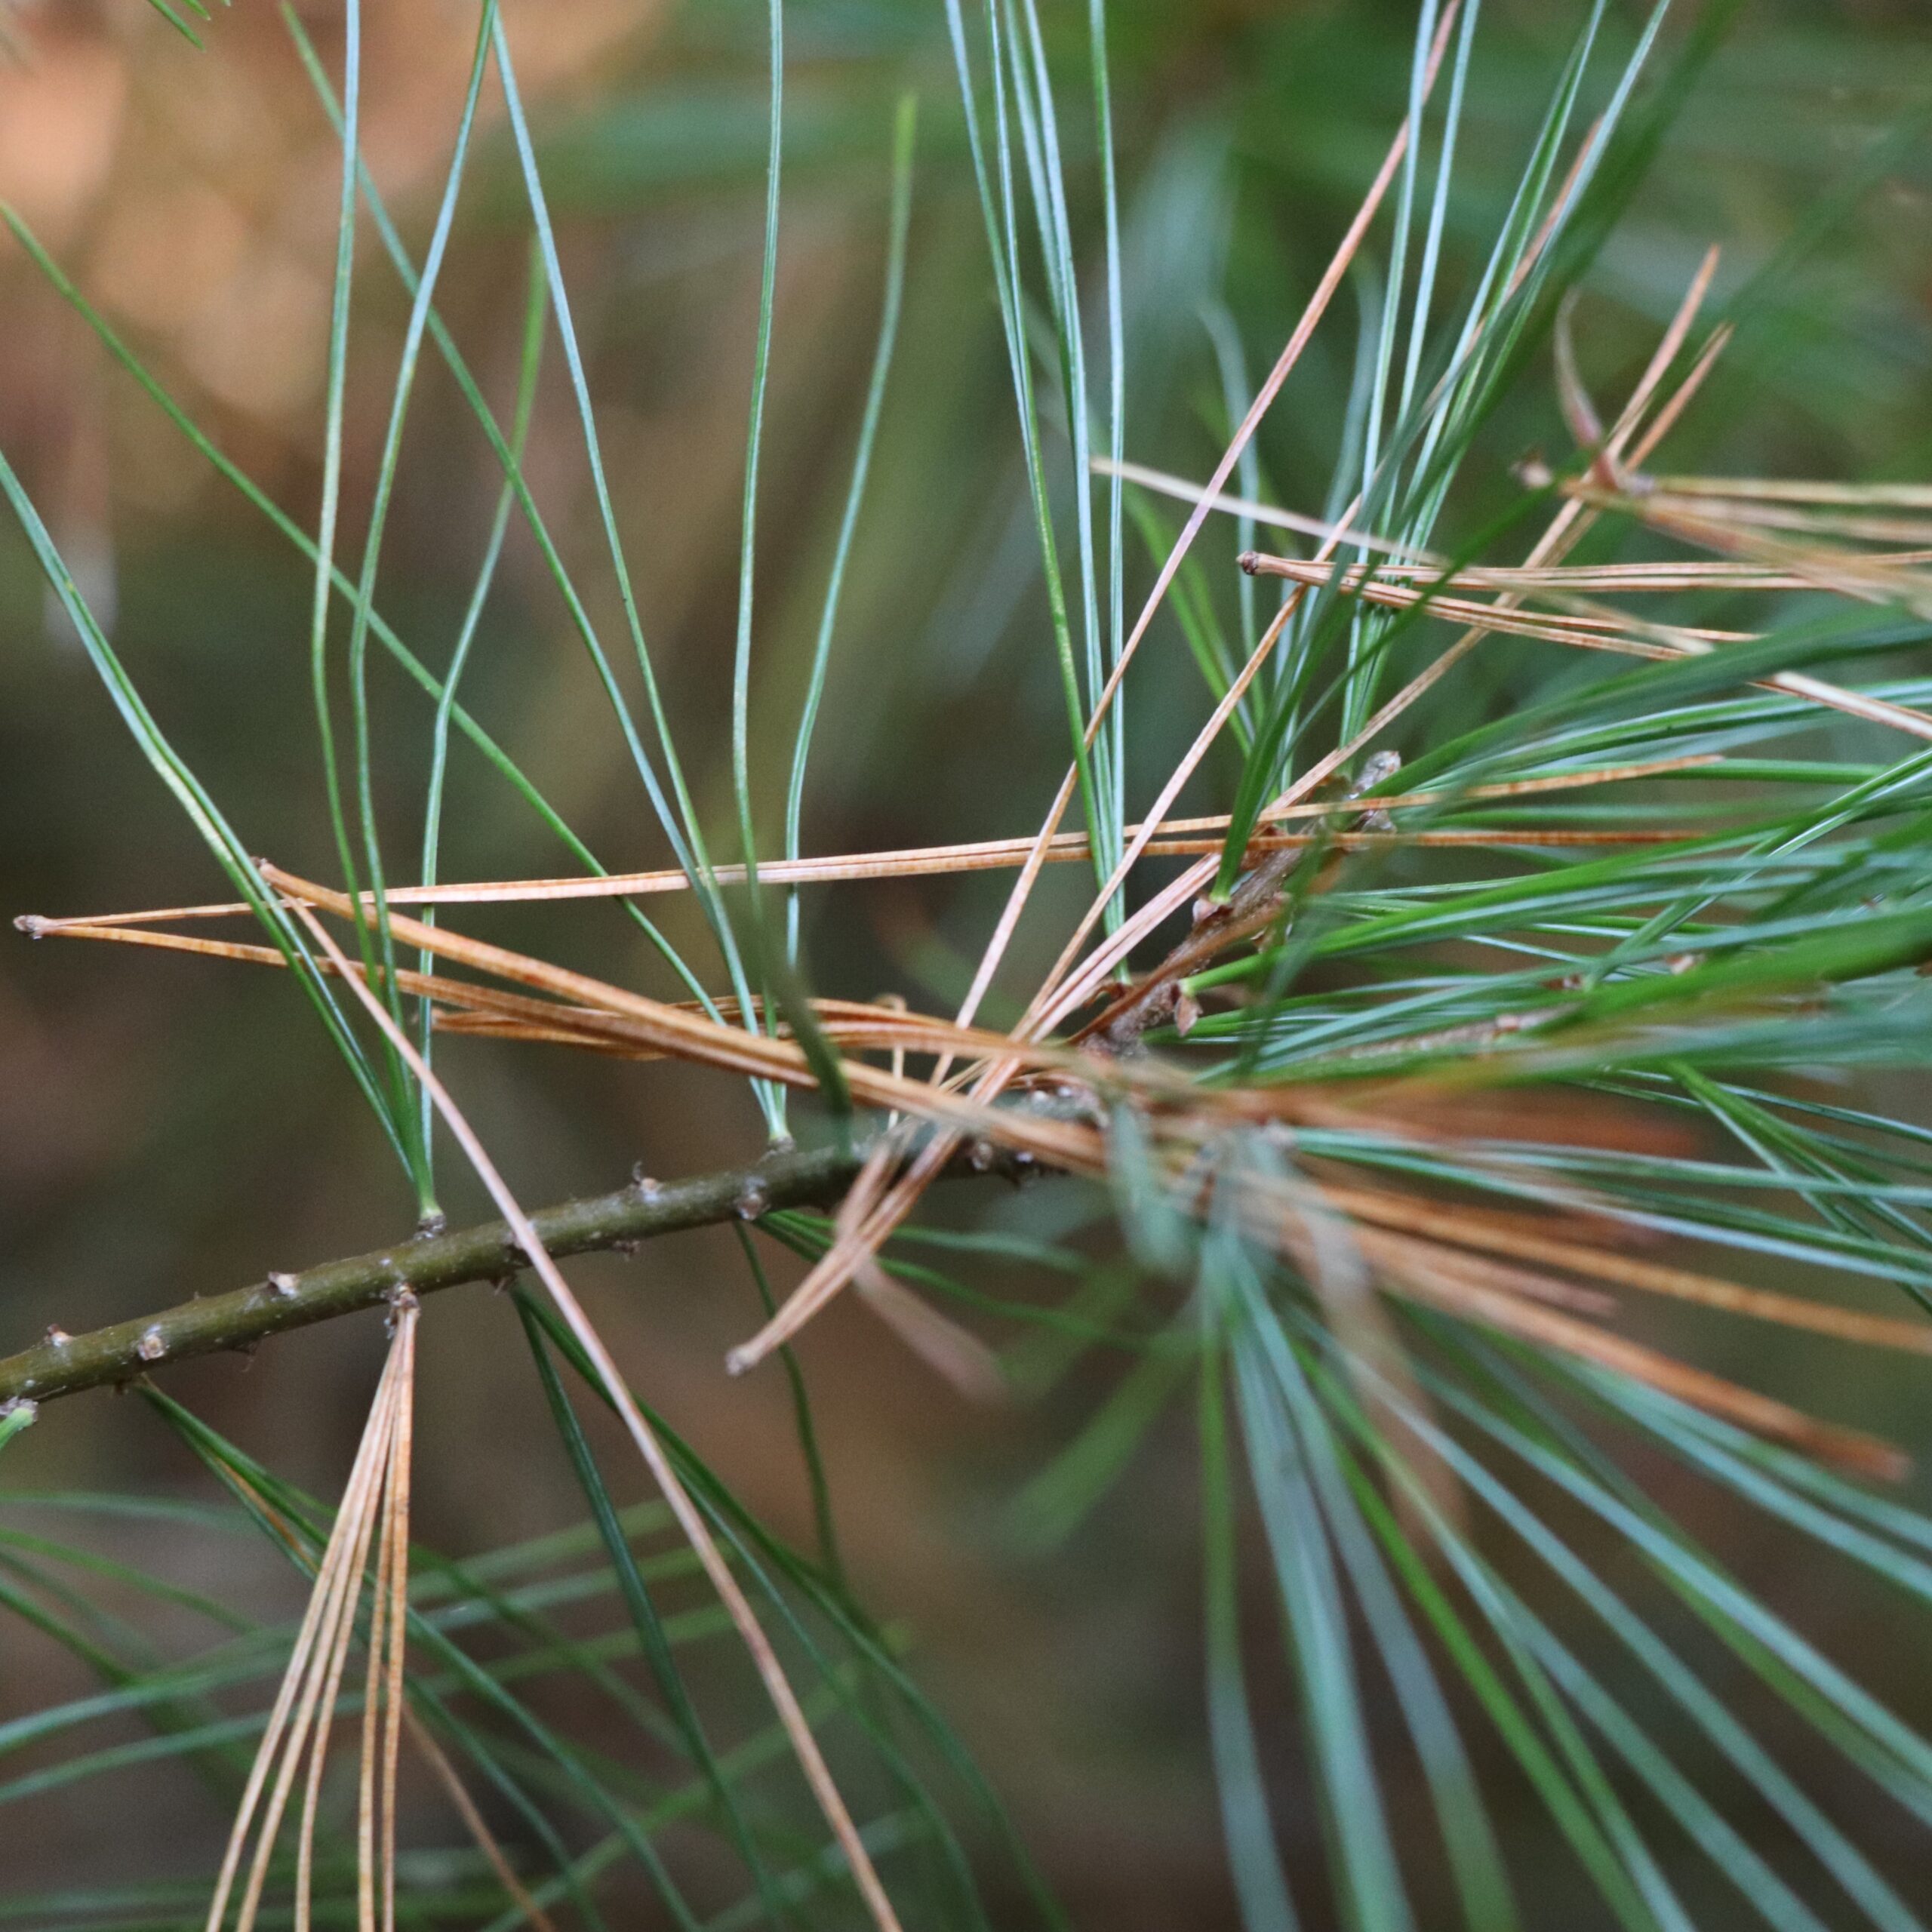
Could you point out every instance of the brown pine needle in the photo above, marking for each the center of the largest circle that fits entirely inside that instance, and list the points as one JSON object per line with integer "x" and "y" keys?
{"x": 695, "y": 1037}
{"x": 335, "y": 1651}
{"x": 1872, "y": 577}
{"x": 475, "y": 1822}
{"x": 1652, "y": 578}
{"x": 307, "y": 1691}
{"x": 1848, "y": 1448}
{"x": 1748, "y": 530}
{"x": 1666, "y": 418}
{"x": 1395, "y": 1253}
{"x": 1171, "y": 837}
{"x": 1778, "y": 489}
{"x": 959, "y": 1357}
{"x": 1440, "y": 1221}
{"x": 1663, "y": 358}
{"x": 1179, "y": 487}
{"x": 472, "y": 1008}
{"x": 1595, "y": 633}
{"x": 388, "y": 1620}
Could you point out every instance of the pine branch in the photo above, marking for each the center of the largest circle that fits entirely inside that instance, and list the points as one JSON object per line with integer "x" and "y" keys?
{"x": 64, "y": 1364}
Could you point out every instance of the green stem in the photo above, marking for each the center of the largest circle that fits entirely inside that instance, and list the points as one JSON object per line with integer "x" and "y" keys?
{"x": 64, "y": 1364}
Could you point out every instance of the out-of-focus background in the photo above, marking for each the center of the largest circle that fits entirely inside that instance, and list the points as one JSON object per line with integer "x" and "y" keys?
{"x": 169, "y": 1128}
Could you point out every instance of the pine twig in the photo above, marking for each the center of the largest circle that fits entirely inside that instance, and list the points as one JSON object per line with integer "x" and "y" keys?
{"x": 63, "y": 1364}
